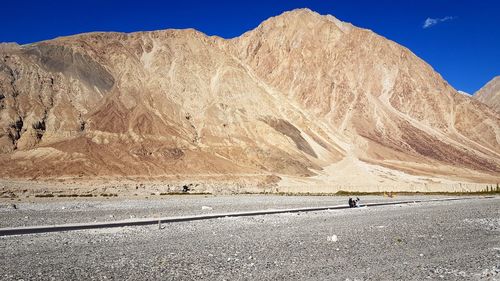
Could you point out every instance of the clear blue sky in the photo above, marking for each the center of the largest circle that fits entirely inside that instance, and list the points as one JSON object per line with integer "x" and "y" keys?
{"x": 464, "y": 46}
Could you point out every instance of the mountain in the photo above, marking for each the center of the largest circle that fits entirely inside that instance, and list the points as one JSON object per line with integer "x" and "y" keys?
{"x": 302, "y": 99}
{"x": 489, "y": 94}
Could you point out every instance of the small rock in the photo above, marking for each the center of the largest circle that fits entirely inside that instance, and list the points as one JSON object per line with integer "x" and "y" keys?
{"x": 332, "y": 238}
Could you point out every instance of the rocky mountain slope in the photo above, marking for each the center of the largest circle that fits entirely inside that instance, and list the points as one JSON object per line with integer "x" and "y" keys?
{"x": 302, "y": 96}
{"x": 490, "y": 94}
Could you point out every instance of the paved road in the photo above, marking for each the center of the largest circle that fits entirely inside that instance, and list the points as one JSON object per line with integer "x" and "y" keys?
{"x": 83, "y": 210}
{"x": 457, "y": 240}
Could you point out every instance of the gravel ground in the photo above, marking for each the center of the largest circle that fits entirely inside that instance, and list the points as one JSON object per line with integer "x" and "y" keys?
{"x": 77, "y": 210}
{"x": 458, "y": 240}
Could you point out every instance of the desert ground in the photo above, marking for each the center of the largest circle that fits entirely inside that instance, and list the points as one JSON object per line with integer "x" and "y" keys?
{"x": 453, "y": 240}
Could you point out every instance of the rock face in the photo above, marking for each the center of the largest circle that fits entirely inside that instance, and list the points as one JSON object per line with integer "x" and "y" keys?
{"x": 489, "y": 94}
{"x": 296, "y": 96}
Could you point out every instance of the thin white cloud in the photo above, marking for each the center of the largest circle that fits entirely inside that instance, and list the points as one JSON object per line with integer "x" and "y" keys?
{"x": 432, "y": 22}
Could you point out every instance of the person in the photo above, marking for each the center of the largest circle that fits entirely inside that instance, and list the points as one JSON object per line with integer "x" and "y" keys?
{"x": 356, "y": 202}
{"x": 353, "y": 203}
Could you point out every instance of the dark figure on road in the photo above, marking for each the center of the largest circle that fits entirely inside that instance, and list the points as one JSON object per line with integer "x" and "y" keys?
{"x": 353, "y": 203}
{"x": 356, "y": 202}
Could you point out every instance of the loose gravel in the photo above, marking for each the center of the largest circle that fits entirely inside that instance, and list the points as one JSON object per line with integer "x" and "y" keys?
{"x": 456, "y": 240}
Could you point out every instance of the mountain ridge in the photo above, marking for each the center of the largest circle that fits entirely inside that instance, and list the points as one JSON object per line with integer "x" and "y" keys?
{"x": 489, "y": 94}
{"x": 291, "y": 97}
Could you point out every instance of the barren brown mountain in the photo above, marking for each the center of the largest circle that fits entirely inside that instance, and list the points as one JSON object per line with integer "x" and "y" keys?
{"x": 490, "y": 94}
{"x": 302, "y": 100}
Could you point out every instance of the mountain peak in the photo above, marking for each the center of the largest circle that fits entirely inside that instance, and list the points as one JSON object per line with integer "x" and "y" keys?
{"x": 299, "y": 12}
{"x": 303, "y": 18}
{"x": 489, "y": 94}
